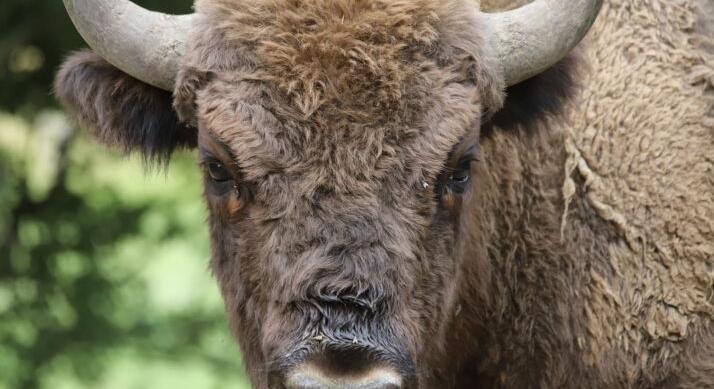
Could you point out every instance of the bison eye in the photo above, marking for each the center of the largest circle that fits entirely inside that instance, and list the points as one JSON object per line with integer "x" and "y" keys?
{"x": 460, "y": 177}
{"x": 218, "y": 172}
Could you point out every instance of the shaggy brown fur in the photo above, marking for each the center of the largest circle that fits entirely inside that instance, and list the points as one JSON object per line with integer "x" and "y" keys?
{"x": 339, "y": 123}
{"x": 640, "y": 185}
{"x": 641, "y": 153}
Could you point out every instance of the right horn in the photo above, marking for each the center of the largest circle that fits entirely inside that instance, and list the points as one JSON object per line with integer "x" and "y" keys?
{"x": 144, "y": 44}
{"x": 532, "y": 38}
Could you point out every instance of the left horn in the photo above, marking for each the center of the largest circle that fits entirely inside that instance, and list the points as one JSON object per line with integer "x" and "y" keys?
{"x": 532, "y": 38}
{"x": 144, "y": 44}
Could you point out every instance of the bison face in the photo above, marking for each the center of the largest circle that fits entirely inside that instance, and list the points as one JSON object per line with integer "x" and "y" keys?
{"x": 337, "y": 159}
{"x": 336, "y": 234}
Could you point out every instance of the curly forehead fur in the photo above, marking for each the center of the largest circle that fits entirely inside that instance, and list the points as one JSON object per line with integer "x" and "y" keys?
{"x": 363, "y": 57}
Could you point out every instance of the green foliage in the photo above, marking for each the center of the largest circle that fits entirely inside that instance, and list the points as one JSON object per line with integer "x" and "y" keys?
{"x": 104, "y": 278}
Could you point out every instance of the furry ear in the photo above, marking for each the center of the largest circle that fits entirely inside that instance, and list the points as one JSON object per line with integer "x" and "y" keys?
{"x": 531, "y": 103}
{"x": 120, "y": 110}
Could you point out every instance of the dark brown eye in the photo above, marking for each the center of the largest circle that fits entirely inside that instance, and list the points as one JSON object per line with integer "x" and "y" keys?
{"x": 460, "y": 177}
{"x": 218, "y": 172}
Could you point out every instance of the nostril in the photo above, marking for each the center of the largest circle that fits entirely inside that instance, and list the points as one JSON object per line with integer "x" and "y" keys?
{"x": 311, "y": 377}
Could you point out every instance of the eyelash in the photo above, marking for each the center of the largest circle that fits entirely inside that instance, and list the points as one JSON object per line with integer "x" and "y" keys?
{"x": 455, "y": 184}
{"x": 218, "y": 186}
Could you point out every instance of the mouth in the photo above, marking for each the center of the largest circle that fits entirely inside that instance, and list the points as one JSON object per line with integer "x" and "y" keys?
{"x": 336, "y": 365}
{"x": 311, "y": 376}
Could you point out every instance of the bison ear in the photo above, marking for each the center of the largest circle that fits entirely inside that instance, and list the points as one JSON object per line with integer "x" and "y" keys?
{"x": 121, "y": 111}
{"x": 529, "y": 104}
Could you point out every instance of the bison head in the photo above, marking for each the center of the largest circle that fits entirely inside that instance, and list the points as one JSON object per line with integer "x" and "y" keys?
{"x": 340, "y": 144}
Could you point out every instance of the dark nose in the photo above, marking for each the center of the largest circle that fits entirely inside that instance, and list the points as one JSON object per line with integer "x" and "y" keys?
{"x": 310, "y": 376}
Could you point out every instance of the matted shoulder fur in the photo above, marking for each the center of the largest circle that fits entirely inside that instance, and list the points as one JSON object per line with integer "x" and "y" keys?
{"x": 639, "y": 142}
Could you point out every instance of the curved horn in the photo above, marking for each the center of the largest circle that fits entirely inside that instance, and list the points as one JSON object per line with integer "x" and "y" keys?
{"x": 144, "y": 44}
{"x": 532, "y": 38}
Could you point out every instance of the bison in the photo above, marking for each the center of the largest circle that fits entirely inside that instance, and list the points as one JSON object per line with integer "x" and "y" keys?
{"x": 396, "y": 197}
